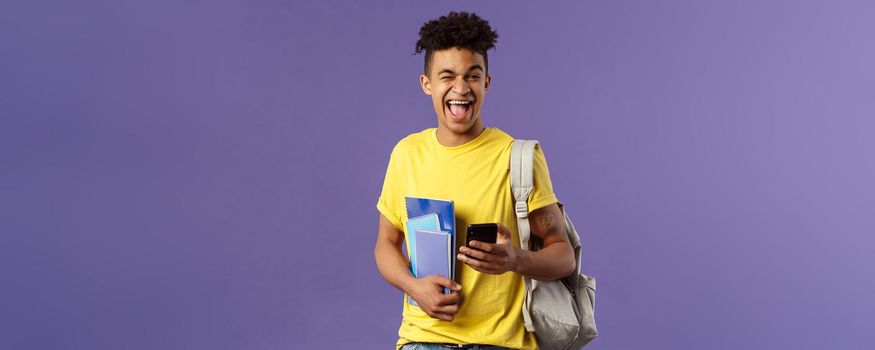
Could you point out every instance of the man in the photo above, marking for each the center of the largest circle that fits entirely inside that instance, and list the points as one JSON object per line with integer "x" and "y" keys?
{"x": 464, "y": 161}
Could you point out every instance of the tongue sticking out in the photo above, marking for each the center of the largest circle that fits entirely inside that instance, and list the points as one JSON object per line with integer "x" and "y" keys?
{"x": 458, "y": 111}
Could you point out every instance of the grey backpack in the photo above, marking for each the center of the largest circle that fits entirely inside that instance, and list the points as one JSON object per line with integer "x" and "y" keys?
{"x": 560, "y": 312}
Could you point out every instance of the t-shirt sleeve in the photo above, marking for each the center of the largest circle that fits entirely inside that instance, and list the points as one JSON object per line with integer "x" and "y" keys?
{"x": 390, "y": 202}
{"x": 542, "y": 193}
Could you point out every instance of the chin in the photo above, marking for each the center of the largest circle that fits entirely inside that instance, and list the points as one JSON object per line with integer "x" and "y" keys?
{"x": 458, "y": 128}
{"x": 459, "y": 131}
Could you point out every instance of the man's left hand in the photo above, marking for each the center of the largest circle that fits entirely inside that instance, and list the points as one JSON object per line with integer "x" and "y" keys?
{"x": 490, "y": 258}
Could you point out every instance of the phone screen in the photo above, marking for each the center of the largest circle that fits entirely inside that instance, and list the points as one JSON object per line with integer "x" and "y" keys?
{"x": 487, "y": 233}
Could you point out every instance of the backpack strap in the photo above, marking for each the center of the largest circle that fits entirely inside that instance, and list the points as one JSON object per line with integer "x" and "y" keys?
{"x": 522, "y": 154}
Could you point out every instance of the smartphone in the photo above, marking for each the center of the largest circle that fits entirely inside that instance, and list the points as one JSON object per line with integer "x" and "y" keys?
{"x": 487, "y": 233}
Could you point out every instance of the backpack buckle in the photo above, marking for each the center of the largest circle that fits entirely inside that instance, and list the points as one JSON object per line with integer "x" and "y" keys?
{"x": 522, "y": 209}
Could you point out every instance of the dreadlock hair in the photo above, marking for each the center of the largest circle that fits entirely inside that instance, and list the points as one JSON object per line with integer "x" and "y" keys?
{"x": 457, "y": 29}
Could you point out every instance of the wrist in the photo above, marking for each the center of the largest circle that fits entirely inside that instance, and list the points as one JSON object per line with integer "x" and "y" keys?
{"x": 406, "y": 283}
{"x": 519, "y": 263}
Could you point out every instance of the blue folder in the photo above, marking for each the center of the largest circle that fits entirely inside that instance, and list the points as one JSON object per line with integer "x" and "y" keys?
{"x": 444, "y": 209}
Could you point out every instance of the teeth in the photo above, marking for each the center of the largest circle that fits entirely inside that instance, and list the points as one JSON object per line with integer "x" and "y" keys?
{"x": 459, "y": 102}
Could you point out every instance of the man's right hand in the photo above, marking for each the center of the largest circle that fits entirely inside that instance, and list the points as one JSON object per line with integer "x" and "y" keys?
{"x": 428, "y": 293}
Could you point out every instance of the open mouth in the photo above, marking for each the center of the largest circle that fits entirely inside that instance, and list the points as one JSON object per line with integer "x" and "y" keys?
{"x": 458, "y": 109}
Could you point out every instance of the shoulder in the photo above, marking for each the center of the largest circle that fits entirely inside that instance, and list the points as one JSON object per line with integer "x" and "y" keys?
{"x": 507, "y": 138}
{"x": 500, "y": 135}
{"x": 500, "y": 138}
{"x": 412, "y": 142}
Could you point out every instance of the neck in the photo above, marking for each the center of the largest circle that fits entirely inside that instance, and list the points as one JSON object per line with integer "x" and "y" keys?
{"x": 450, "y": 139}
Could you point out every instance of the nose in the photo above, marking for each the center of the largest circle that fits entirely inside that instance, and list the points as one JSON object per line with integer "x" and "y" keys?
{"x": 460, "y": 86}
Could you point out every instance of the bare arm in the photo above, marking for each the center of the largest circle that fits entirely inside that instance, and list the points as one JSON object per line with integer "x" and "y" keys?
{"x": 391, "y": 263}
{"x": 394, "y": 268}
{"x": 553, "y": 261}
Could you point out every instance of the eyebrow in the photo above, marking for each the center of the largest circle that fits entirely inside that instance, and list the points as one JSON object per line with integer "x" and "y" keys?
{"x": 473, "y": 67}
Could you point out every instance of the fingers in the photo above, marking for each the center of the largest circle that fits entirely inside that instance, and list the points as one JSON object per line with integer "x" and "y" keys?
{"x": 447, "y": 307}
{"x": 445, "y": 282}
{"x": 504, "y": 235}
{"x": 429, "y": 294}
{"x": 441, "y": 316}
{"x": 474, "y": 253}
{"x": 449, "y": 299}
{"x": 442, "y": 306}
{"x": 447, "y": 310}
{"x": 486, "y": 247}
{"x": 482, "y": 266}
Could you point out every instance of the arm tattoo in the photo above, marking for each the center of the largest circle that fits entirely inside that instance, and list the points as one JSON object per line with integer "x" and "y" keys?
{"x": 548, "y": 222}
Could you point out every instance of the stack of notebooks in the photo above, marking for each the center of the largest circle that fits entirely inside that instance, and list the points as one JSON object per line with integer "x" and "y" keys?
{"x": 431, "y": 238}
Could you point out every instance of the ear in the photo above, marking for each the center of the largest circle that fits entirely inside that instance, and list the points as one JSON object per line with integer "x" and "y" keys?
{"x": 426, "y": 84}
{"x": 488, "y": 81}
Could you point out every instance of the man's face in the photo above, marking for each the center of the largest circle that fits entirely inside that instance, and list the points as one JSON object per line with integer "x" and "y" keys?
{"x": 457, "y": 83}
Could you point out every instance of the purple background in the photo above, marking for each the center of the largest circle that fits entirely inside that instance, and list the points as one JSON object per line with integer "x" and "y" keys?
{"x": 203, "y": 175}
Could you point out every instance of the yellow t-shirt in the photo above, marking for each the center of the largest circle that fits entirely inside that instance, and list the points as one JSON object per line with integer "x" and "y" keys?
{"x": 475, "y": 176}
